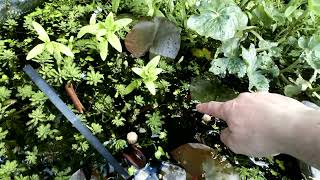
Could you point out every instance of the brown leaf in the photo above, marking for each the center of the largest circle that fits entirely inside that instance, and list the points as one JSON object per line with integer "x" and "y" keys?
{"x": 139, "y": 40}
{"x": 73, "y": 96}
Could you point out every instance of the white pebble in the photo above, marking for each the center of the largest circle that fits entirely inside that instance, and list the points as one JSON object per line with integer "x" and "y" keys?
{"x": 132, "y": 137}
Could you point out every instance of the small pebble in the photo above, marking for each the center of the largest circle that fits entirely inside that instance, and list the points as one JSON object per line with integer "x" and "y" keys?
{"x": 206, "y": 118}
{"x": 132, "y": 137}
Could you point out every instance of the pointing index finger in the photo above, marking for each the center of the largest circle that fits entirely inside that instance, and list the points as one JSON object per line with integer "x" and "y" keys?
{"x": 212, "y": 108}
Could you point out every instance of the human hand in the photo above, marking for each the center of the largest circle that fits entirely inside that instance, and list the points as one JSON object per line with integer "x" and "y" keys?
{"x": 259, "y": 124}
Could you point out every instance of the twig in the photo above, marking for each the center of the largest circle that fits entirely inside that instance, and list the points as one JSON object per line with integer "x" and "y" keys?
{"x": 73, "y": 96}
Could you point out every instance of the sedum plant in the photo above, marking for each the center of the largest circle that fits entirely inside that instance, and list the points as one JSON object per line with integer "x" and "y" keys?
{"x": 52, "y": 47}
{"x": 105, "y": 32}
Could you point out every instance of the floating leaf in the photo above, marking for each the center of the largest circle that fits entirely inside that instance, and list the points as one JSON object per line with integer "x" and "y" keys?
{"x": 200, "y": 160}
{"x": 160, "y": 36}
{"x": 210, "y": 90}
{"x": 218, "y": 19}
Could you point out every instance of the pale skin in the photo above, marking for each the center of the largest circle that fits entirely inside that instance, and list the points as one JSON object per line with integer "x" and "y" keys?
{"x": 264, "y": 124}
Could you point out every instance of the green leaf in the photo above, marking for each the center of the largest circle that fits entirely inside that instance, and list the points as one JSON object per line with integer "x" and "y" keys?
{"x": 122, "y": 23}
{"x": 93, "y": 19}
{"x": 234, "y": 66}
{"x": 92, "y": 29}
{"x": 250, "y": 57}
{"x": 230, "y": 47}
{"x": 63, "y": 49}
{"x": 50, "y": 47}
{"x": 237, "y": 67}
{"x": 109, "y": 20}
{"x": 132, "y": 86}
{"x": 36, "y": 51}
{"x": 43, "y": 36}
{"x": 219, "y": 66}
{"x": 314, "y": 6}
{"x": 151, "y": 87}
{"x": 292, "y": 90}
{"x": 138, "y": 71}
{"x": 153, "y": 63}
{"x": 258, "y": 82}
{"x": 313, "y": 60}
{"x": 114, "y": 41}
{"x": 218, "y": 19}
{"x": 103, "y": 47}
{"x": 210, "y": 90}
{"x": 115, "y": 5}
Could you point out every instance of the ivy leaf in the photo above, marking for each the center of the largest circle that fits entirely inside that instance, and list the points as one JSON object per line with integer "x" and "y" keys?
{"x": 219, "y": 66}
{"x": 313, "y": 59}
{"x": 230, "y": 47}
{"x": 43, "y": 36}
{"x": 234, "y": 66}
{"x": 103, "y": 47}
{"x": 218, "y": 19}
{"x": 114, "y": 41}
{"x": 36, "y": 51}
{"x": 258, "y": 82}
{"x": 151, "y": 87}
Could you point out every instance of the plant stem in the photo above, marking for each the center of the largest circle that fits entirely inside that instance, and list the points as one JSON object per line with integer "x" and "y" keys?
{"x": 257, "y": 35}
{"x": 289, "y": 68}
{"x": 315, "y": 89}
{"x": 284, "y": 79}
